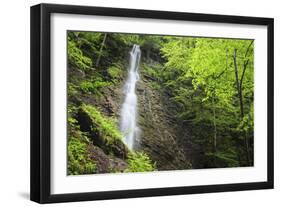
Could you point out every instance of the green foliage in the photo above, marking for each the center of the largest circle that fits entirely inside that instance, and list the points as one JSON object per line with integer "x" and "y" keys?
{"x": 139, "y": 162}
{"x": 200, "y": 75}
{"x": 115, "y": 72}
{"x": 196, "y": 74}
{"x": 129, "y": 40}
{"x": 155, "y": 86}
{"x": 94, "y": 85}
{"x": 76, "y": 57}
{"x": 177, "y": 51}
{"x": 107, "y": 127}
{"x": 71, "y": 90}
{"x": 78, "y": 158}
{"x": 152, "y": 70}
{"x": 89, "y": 40}
{"x": 247, "y": 123}
{"x": 71, "y": 121}
{"x": 226, "y": 159}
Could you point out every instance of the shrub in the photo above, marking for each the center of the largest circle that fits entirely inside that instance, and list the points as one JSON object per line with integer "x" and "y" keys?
{"x": 115, "y": 72}
{"x": 152, "y": 70}
{"x": 139, "y": 162}
{"x": 93, "y": 86}
{"x": 223, "y": 159}
{"x": 78, "y": 158}
{"x": 71, "y": 90}
{"x": 71, "y": 120}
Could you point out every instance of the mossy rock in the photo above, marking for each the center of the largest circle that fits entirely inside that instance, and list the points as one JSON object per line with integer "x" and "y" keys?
{"x": 102, "y": 131}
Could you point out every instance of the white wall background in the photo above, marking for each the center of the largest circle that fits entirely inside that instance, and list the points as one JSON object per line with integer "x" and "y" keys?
{"x": 14, "y": 102}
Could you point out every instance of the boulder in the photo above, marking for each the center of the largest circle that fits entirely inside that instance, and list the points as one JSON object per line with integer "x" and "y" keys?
{"x": 106, "y": 163}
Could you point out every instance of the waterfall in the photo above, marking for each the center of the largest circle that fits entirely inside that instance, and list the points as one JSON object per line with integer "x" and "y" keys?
{"x": 128, "y": 122}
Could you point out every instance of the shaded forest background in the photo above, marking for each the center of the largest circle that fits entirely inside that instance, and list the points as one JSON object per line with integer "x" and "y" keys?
{"x": 195, "y": 100}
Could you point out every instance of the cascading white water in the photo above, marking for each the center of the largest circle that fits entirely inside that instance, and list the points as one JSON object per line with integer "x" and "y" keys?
{"x": 128, "y": 122}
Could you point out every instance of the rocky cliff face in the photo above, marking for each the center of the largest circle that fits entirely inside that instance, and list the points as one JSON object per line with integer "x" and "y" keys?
{"x": 158, "y": 128}
{"x": 161, "y": 138}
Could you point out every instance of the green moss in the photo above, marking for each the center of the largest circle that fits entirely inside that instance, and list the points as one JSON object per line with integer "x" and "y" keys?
{"x": 107, "y": 127}
{"x": 79, "y": 161}
{"x": 139, "y": 162}
{"x": 115, "y": 72}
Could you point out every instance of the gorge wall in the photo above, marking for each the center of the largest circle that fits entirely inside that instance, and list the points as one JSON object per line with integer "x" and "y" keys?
{"x": 159, "y": 133}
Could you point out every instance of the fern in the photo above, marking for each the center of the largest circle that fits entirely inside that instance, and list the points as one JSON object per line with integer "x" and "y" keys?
{"x": 78, "y": 158}
{"x": 76, "y": 57}
{"x": 139, "y": 162}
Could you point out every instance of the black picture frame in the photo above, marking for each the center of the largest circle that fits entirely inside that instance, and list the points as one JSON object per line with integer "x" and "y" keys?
{"x": 41, "y": 96}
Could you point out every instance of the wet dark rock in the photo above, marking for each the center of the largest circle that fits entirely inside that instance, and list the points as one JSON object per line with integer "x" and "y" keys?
{"x": 105, "y": 163}
{"x": 159, "y": 131}
{"x": 110, "y": 105}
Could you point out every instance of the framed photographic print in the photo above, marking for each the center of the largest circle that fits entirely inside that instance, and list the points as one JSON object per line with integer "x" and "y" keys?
{"x": 132, "y": 103}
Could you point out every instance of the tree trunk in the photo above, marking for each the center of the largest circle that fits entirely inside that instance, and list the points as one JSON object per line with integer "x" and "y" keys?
{"x": 240, "y": 96}
{"x": 101, "y": 48}
{"x": 215, "y": 126}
